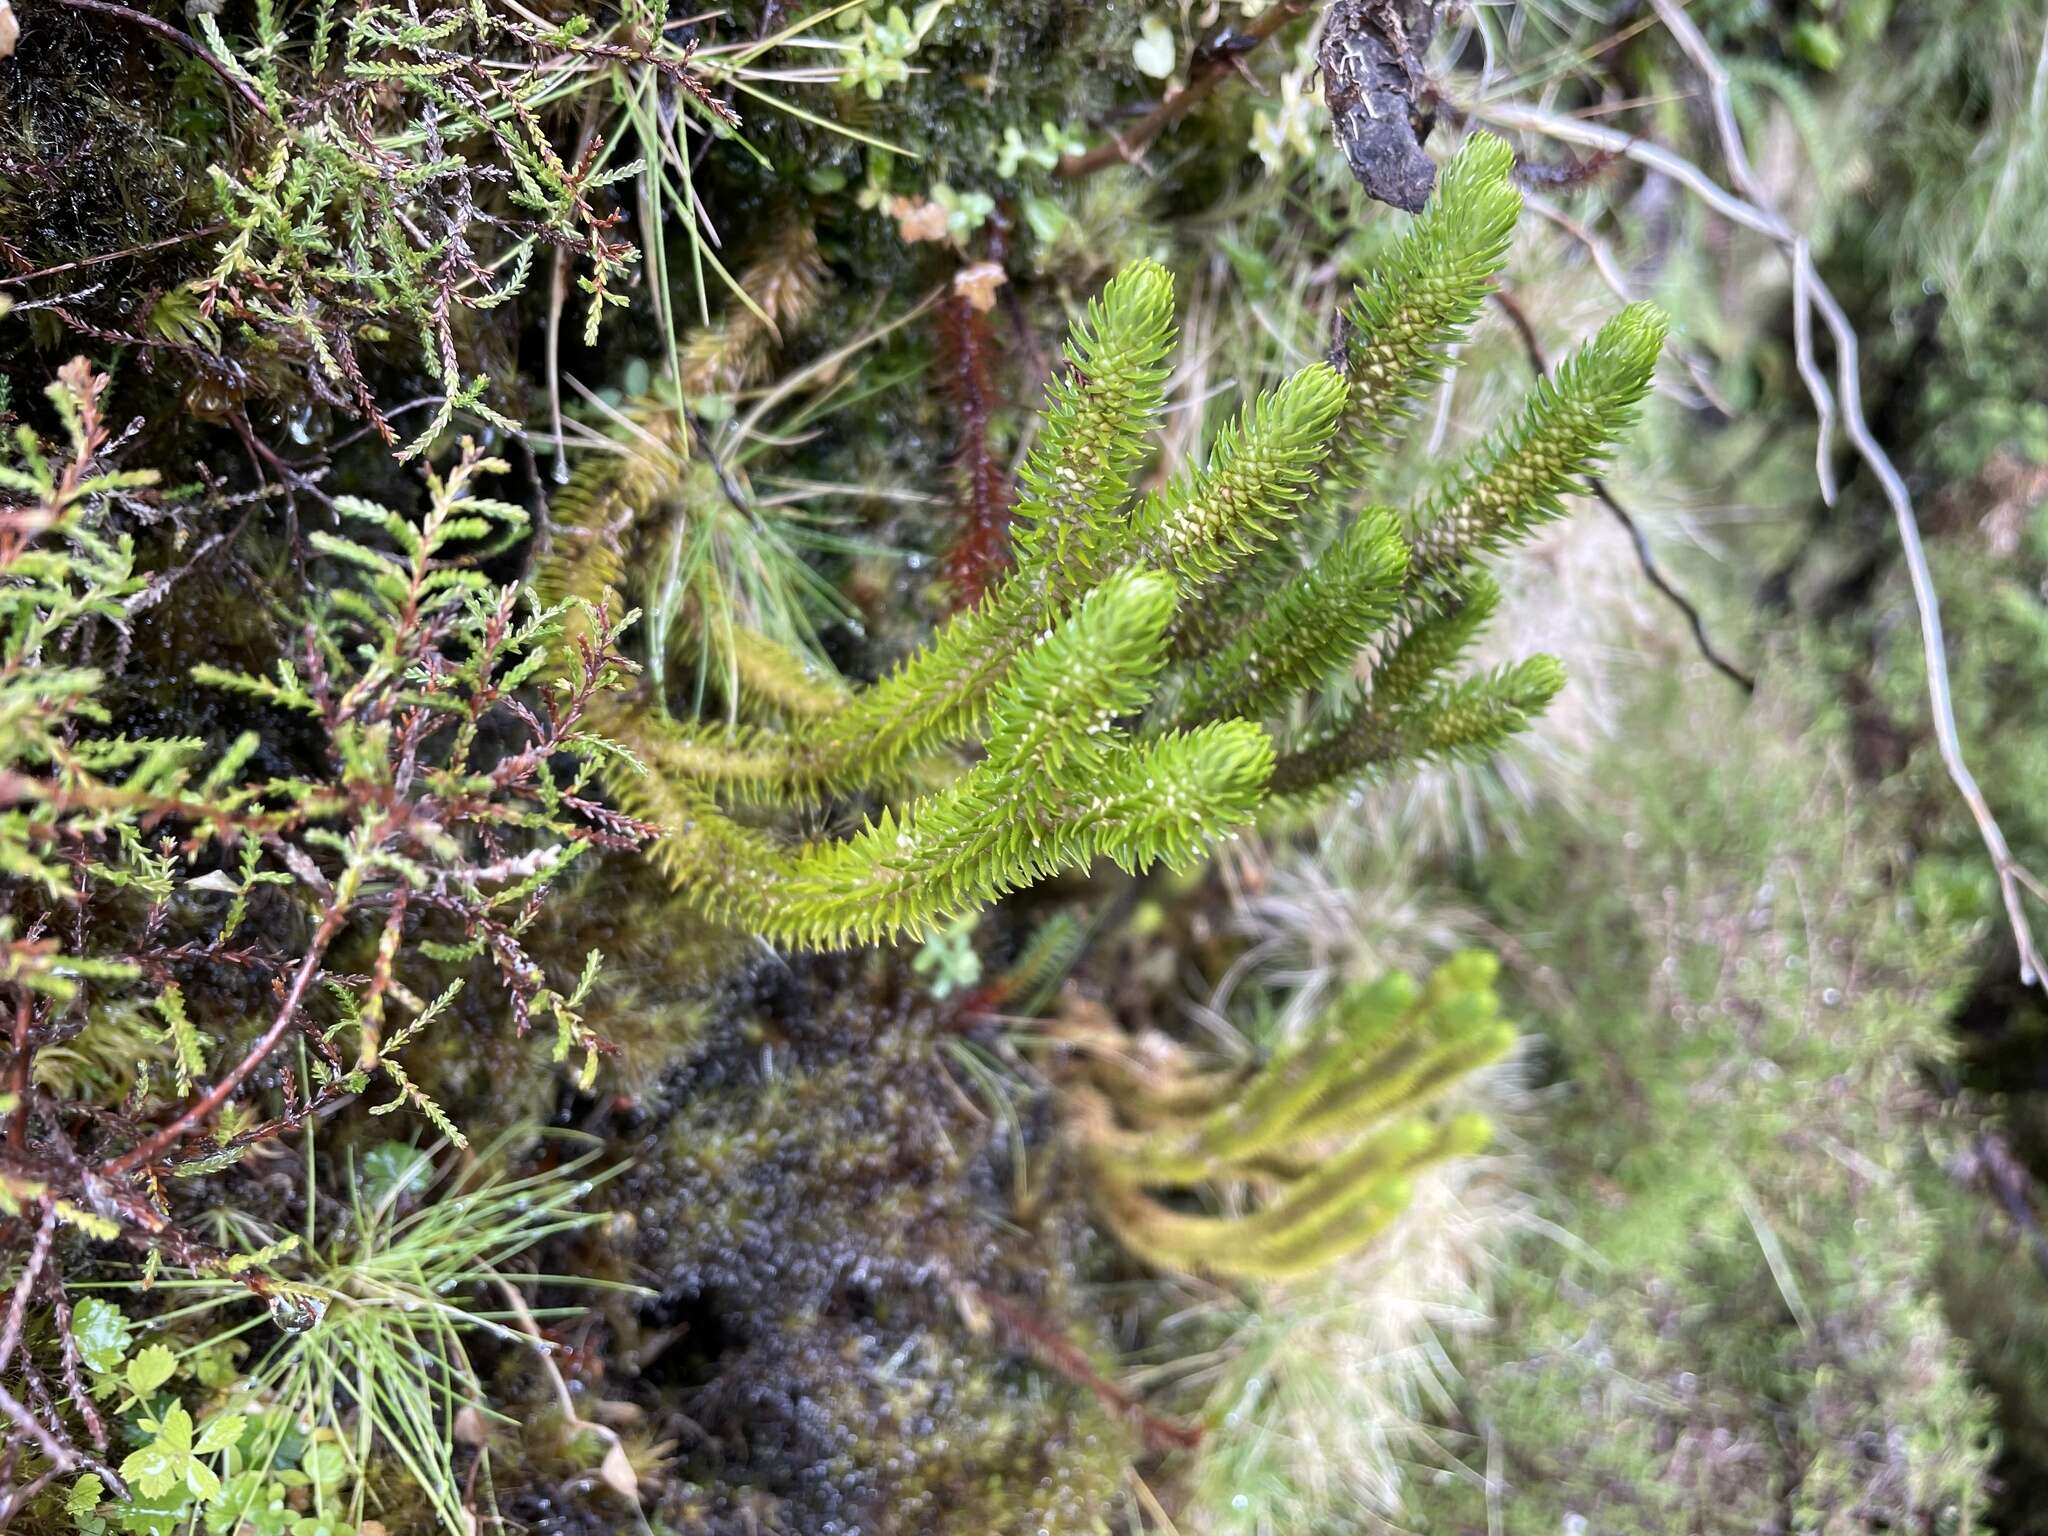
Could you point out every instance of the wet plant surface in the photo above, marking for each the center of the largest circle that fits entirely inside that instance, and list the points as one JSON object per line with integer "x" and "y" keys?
{"x": 799, "y": 772}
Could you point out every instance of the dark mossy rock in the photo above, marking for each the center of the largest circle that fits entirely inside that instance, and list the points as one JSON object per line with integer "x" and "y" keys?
{"x": 818, "y": 1205}
{"x": 104, "y": 139}
{"x": 105, "y": 135}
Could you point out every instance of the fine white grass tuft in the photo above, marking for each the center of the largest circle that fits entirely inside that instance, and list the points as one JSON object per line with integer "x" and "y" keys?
{"x": 367, "y": 1322}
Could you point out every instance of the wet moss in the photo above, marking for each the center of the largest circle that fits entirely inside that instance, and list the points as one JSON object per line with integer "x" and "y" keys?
{"x": 816, "y": 1203}
{"x": 104, "y": 139}
{"x": 984, "y": 66}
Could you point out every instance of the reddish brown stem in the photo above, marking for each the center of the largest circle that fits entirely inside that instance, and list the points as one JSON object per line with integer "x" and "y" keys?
{"x": 198, "y": 1113}
{"x": 74, "y": 1375}
{"x": 981, "y": 550}
{"x": 1053, "y": 1348}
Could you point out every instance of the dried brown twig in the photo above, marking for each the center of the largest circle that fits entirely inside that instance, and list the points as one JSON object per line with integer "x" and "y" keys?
{"x": 1750, "y": 208}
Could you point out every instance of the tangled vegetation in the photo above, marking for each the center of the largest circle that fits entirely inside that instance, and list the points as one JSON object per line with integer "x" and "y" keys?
{"x": 787, "y": 770}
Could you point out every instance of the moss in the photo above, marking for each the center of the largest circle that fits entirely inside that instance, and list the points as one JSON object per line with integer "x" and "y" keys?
{"x": 656, "y": 987}
{"x": 817, "y": 1203}
{"x": 1742, "y": 1333}
{"x": 104, "y": 138}
{"x": 1990, "y": 556}
{"x": 983, "y": 66}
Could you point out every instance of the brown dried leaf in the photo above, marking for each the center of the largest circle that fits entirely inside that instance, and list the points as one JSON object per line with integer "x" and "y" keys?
{"x": 917, "y": 221}
{"x": 978, "y": 284}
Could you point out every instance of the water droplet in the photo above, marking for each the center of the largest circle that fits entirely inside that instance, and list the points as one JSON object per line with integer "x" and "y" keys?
{"x": 296, "y": 1312}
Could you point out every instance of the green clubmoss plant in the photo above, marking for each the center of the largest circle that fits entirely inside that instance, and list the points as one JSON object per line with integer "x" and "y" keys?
{"x": 1330, "y": 1135}
{"x": 1103, "y": 726}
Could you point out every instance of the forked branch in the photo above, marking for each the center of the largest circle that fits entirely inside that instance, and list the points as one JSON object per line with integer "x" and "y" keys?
{"x": 1751, "y": 209}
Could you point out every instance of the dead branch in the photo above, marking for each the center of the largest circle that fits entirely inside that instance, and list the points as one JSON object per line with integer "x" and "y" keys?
{"x": 1810, "y": 295}
{"x": 1375, "y": 87}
